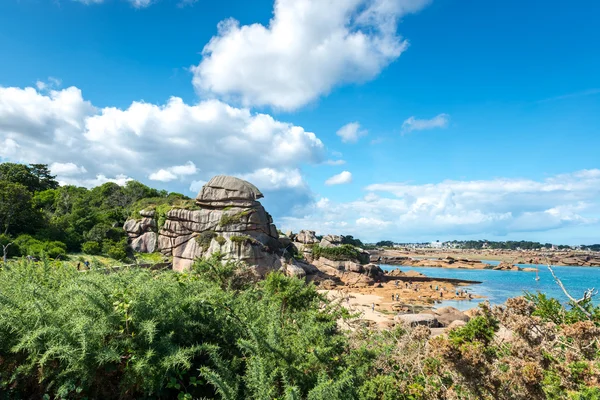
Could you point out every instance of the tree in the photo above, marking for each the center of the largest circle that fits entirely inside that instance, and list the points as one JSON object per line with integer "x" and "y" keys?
{"x": 45, "y": 179}
{"x": 35, "y": 177}
{"x": 16, "y": 211}
{"x": 385, "y": 243}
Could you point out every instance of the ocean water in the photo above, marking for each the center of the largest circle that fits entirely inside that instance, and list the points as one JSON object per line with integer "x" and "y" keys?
{"x": 498, "y": 286}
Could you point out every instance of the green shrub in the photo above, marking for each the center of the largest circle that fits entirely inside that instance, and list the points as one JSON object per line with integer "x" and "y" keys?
{"x": 345, "y": 252}
{"x": 29, "y": 246}
{"x": 221, "y": 240}
{"x": 137, "y": 333}
{"x": 116, "y": 250}
{"x": 92, "y": 248}
{"x": 227, "y": 219}
{"x": 205, "y": 238}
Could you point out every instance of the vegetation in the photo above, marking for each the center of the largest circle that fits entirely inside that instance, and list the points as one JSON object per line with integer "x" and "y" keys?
{"x": 229, "y": 219}
{"x": 204, "y": 239}
{"x": 217, "y": 332}
{"x": 42, "y": 218}
{"x": 344, "y": 252}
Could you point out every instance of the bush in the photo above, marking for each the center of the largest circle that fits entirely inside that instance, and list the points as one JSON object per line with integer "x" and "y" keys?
{"x": 137, "y": 333}
{"x": 92, "y": 248}
{"x": 29, "y": 246}
{"x": 344, "y": 252}
{"x": 116, "y": 250}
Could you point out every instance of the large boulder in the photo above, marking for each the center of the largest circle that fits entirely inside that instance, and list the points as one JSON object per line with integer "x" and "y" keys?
{"x": 428, "y": 320}
{"x": 229, "y": 220}
{"x": 306, "y": 237}
{"x": 142, "y": 233}
{"x": 447, "y": 315}
{"x": 331, "y": 241}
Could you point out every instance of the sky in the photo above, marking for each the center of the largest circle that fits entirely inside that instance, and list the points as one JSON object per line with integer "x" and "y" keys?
{"x": 404, "y": 120}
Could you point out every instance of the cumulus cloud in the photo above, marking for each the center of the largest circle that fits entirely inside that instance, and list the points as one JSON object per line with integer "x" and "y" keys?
{"x": 66, "y": 169}
{"x": 414, "y": 124}
{"x": 350, "y": 133}
{"x": 308, "y": 47}
{"x": 482, "y": 208}
{"x": 172, "y": 142}
{"x": 340, "y": 179}
{"x": 174, "y": 172}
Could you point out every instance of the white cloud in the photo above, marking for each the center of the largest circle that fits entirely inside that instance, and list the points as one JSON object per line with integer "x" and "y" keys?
{"x": 350, "y": 133}
{"x": 308, "y": 47}
{"x": 174, "y": 172}
{"x": 195, "y": 186}
{"x": 335, "y": 162}
{"x": 482, "y": 209}
{"x": 66, "y": 169}
{"x": 272, "y": 179}
{"x": 162, "y": 175}
{"x": 414, "y": 124}
{"x": 340, "y": 179}
{"x": 149, "y": 140}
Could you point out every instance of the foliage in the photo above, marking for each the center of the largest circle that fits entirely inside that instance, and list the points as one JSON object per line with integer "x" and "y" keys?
{"x": 385, "y": 243}
{"x": 204, "y": 239}
{"x": 220, "y": 240}
{"x": 218, "y": 332}
{"x": 92, "y": 248}
{"x": 31, "y": 202}
{"x": 229, "y": 219}
{"x": 16, "y": 211}
{"x": 344, "y": 252}
{"x": 136, "y": 333}
{"x": 351, "y": 241}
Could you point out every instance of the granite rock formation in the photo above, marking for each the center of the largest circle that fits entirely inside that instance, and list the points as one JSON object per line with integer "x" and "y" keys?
{"x": 229, "y": 220}
{"x": 142, "y": 233}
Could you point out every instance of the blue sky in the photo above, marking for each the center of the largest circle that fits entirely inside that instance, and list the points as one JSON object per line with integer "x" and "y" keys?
{"x": 468, "y": 119}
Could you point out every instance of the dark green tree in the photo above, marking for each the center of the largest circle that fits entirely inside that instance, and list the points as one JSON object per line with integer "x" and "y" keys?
{"x": 16, "y": 212}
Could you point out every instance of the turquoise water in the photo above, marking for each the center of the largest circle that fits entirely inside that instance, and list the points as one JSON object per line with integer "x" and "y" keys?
{"x": 498, "y": 286}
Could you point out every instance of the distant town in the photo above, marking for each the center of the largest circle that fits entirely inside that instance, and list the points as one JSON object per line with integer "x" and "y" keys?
{"x": 488, "y": 244}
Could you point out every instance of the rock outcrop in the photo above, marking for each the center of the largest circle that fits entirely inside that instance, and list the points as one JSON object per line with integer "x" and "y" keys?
{"x": 504, "y": 266}
{"x": 142, "y": 233}
{"x": 228, "y": 219}
{"x": 331, "y": 241}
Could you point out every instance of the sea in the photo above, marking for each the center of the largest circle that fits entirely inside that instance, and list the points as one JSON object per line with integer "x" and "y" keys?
{"x": 498, "y": 286}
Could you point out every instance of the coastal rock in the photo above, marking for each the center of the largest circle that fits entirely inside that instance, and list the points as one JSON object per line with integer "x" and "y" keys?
{"x": 307, "y": 237}
{"x": 428, "y": 320}
{"x": 293, "y": 270}
{"x": 448, "y": 315}
{"x": 331, "y": 241}
{"x": 504, "y": 266}
{"x": 373, "y": 271}
{"x": 146, "y": 243}
{"x": 456, "y": 324}
{"x": 142, "y": 233}
{"x": 229, "y": 220}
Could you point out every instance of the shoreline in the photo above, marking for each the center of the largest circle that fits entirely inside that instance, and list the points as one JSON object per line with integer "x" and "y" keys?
{"x": 475, "y": 259}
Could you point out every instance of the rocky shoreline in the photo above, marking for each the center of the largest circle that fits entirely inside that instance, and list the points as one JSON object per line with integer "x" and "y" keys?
{"x": 469, "y": 260}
